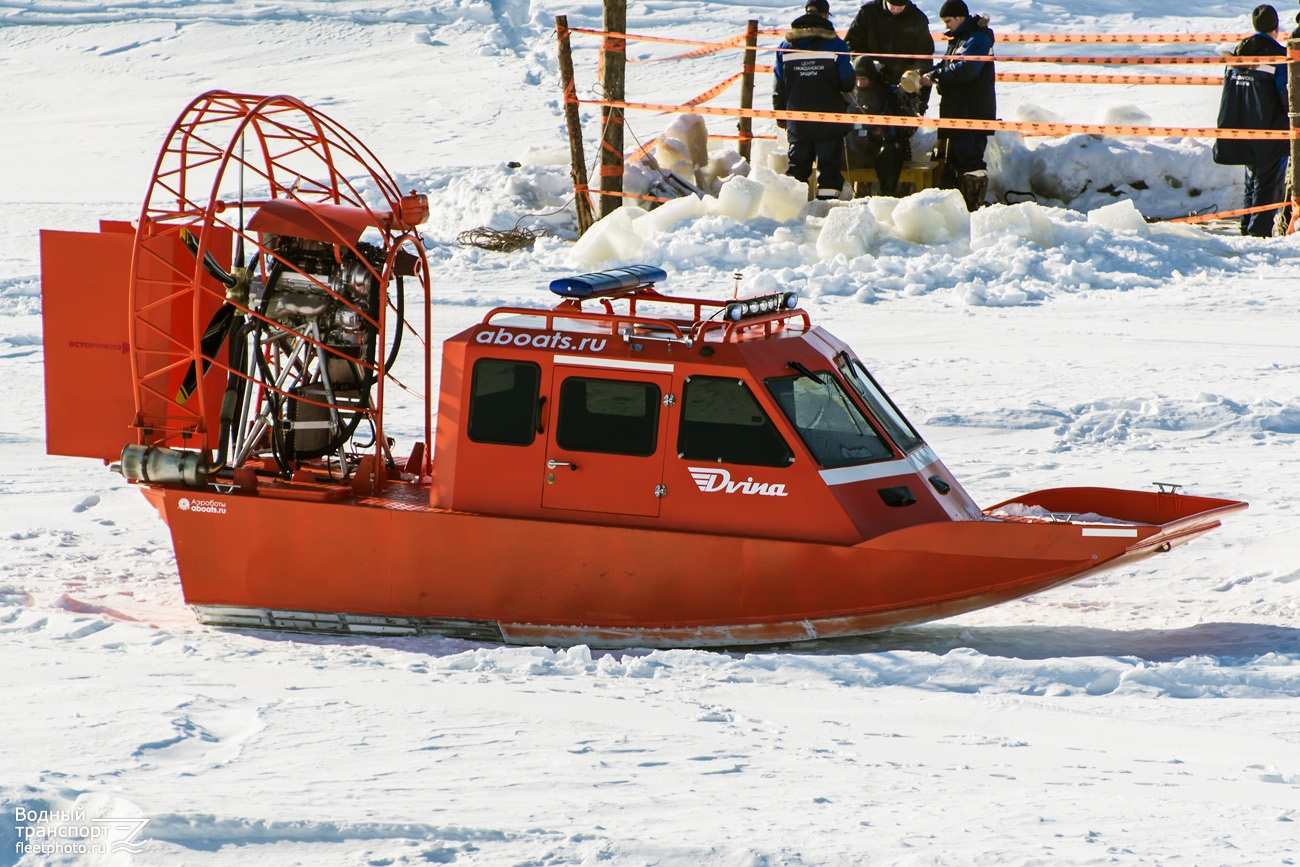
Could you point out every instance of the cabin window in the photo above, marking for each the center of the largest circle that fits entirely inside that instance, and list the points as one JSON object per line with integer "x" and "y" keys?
{"x": 898, "y": 427}
{"x": 608, "y": 415}
{"x": 503, "y": 401}
{"x": 829, "y": 423}
{"x": 722, "y": 421}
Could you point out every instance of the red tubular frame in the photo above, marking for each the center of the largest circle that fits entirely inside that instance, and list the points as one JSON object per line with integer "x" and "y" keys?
{"x": 294, "y": 153}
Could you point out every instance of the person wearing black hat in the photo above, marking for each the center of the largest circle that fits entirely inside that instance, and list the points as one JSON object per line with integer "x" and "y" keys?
{"x": 813, "y": 73}
{"x": 966, "y": 90}
{"x": 884, "y": 149}
{"x": 1255, "y": 97}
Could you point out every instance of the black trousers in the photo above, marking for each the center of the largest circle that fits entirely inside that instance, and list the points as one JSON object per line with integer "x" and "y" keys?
{"x": 965, "y": 152}
{"x": 1265, "y": 185}
{"x": 829, "y": 155}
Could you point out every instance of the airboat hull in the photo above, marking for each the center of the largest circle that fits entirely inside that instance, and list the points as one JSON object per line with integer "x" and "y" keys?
{"x": 623, "y": 467}
{"x": 533, "y": 582}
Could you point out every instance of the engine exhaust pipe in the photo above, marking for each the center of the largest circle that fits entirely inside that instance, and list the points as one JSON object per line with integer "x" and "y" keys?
{"x": 162, "y": 465}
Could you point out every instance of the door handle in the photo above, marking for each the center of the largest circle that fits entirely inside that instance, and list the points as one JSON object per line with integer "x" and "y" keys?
{"x": 552, "y": 464}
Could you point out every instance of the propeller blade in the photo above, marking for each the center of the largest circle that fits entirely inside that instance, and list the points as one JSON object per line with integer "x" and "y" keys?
{"x": 214, "y": 335}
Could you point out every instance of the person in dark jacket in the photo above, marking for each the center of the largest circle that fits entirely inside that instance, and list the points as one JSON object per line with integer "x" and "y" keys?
{"x": 884, "y": 27}
{"x": 966, "y": 90}
{"x": 813, "y": 73}
{"x": 1254, "y": 97}
{"x": 883, "y": 148}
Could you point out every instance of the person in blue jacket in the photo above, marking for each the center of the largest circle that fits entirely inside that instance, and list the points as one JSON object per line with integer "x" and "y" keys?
{"x": 813, "y": 73}
{"x": 1254, "y": 97}
{"x": 966, "y": 90}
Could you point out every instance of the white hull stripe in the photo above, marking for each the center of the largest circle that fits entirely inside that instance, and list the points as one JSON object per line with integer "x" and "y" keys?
{"x": 917, "y": 462}
{"x": 1108, "y": 531}
{"x": 615, "y": 363}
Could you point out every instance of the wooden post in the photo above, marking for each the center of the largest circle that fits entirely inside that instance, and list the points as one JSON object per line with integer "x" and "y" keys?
{"x": 1293, "y": 109}
{"x": 577, "y": 159}
{"x": 745, "y": 127}
{"x": 614, "y": 62}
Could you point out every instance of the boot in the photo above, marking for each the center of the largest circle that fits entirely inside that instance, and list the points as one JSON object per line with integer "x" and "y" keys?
{"x": 973, "y": 186}
{"x": 889, "y": 164}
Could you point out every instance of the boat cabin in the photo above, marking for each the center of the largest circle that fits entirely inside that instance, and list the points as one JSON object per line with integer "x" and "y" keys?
{"x": 625, "y": 405}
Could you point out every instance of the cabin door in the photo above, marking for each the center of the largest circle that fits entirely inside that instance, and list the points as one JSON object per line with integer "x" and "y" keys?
{"x": 605, "y": 440}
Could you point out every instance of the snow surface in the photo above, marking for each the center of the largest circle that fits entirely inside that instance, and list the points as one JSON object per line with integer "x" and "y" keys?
{"x": 1150, "y": 715}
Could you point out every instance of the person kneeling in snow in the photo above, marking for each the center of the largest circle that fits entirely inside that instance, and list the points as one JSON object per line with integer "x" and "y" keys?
{"x": 1255, "y": 97}
{"x": 813, "y": 73}
{"x": 966, "y": 90}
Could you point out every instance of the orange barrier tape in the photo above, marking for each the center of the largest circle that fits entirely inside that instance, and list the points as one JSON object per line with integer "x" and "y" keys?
{"x": 713, "y": 47}
{"x": 1219, "y": 215}
{"x": 645, "y": 148}
{"x": 642, "y": 151}
{"x": 961, "y": 123}
{"x": 1147, "y": 60}
{"x": 664, "y": 40}
{"x": 1063, "y": 78}
{"x": 699, "y": 52}
{"x": 1116, "y": 38}
{"x": 715, "y": 90}
{"x": 623, "y": 195}
{"x": 1089, "y": 38}
{"x": 722, "y": 86}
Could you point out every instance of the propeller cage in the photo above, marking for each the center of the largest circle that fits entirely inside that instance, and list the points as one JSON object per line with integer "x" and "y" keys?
{"x": 292, "y": 343}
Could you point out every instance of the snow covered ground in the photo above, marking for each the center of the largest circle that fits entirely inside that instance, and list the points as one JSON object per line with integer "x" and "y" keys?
{"x": 1150, "y": 715}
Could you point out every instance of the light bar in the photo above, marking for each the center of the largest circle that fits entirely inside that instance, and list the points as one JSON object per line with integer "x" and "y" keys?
{"x": 608, "y": 282}
{"x": 763, "y": 304}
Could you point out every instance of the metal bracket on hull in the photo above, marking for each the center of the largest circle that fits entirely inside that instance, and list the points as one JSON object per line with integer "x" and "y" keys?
{"x": 239, "y": 617}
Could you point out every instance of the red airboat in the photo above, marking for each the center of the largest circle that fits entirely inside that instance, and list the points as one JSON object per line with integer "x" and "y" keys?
{"x": 625, "y": 467}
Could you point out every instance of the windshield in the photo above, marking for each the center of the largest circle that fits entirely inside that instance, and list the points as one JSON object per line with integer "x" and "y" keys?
{"x": 898, "y": 427}
{"x": 829, "y": 423}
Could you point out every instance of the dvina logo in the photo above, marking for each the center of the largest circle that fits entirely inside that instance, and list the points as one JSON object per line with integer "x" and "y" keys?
{"x": 711, "y": 481}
